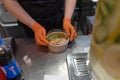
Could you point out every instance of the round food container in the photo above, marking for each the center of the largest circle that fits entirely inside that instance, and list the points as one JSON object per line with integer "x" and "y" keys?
{"x": 58, "y": 40}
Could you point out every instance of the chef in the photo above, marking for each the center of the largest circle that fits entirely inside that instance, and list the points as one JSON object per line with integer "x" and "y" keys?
{"x": 37, "y": 17}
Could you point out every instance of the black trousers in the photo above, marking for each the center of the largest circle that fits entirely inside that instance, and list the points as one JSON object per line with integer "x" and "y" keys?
{"x": 49, "y": 23}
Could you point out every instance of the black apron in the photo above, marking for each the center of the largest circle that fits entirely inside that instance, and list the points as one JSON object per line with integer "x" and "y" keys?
{"x": 48, "y": 13}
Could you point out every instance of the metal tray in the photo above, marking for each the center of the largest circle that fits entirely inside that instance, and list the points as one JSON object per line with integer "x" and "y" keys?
{"x": 78, "y": 66}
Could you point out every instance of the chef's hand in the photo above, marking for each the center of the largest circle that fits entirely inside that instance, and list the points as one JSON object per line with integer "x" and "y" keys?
{"x": 40, "y": 34}
{"x": 69, "y": 28}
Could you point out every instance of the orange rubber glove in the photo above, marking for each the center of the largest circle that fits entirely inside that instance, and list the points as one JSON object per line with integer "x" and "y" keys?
{"x": 69, "y": 29}
{"x": 40, "y": 34}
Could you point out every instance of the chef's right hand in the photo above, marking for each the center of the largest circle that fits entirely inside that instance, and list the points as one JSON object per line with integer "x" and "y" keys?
{"x": 40, "y": 34}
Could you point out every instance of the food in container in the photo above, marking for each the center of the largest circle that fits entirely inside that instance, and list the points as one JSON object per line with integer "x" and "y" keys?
{"x": 58, "y": 40}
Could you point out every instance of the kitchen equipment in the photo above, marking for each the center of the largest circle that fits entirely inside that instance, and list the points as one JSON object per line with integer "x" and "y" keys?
{"x": 78, "y": 66}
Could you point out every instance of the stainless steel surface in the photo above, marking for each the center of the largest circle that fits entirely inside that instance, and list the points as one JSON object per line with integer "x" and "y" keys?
{"x": 78, "y": 66}
{"x": 43, "y": 61}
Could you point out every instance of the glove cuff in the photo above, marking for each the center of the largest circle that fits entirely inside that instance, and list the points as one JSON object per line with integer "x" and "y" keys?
{"x": 35, "y": 26}
{"x": 67, "y": 19}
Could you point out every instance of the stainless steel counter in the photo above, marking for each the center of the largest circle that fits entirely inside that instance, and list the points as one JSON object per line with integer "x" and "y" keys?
{"x": 45, "y": 62}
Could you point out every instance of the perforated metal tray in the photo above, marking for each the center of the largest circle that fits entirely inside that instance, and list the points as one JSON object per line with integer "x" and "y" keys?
{"x": 78, "y": 66}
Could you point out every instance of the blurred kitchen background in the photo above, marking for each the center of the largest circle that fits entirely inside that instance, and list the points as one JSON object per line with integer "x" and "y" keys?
{"x": 83, "y": 19}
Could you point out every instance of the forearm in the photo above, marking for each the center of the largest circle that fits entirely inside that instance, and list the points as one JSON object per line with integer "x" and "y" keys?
{"x": 69, "y": 8}
{"x": 16, "y": 10}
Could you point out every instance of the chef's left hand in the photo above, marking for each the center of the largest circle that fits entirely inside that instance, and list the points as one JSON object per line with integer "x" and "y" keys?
{"x": 69, "y": 28}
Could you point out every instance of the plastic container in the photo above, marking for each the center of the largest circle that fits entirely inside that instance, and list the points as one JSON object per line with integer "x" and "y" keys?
{"x": 105, "y": 43}
{"x": 58, "y": 47}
